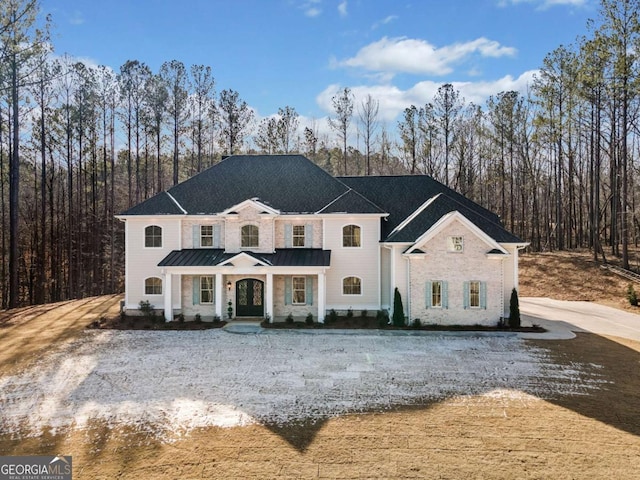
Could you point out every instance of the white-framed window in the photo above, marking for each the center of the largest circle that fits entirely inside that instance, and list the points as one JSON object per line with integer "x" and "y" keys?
{"x": 351, "y": 286}
{"x": 153, "y": 286}
{"x": 351, "y": 236}
{"x": 298, "y": 235}
{"x": 299, "y": 290}
{"x": 153, "y": 236}
{"x": 249, "y": 236}
{"x": 474, "y": 294}
{"x": 206, "y": 289}
{"x": 206, "y": 235}
{"x": 436, "y": 294}
{"x": 456, "y": 244}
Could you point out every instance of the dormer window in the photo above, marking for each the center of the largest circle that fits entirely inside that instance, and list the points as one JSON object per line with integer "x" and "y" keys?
{"x": 206, "y": 235}
{"x": 298, "y": 235}
{"x": 456, "y": 244}
{"x": 249, "y": 236}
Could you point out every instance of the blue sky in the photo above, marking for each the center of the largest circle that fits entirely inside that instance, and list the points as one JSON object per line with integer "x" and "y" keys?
{"x": 300, "y": 52}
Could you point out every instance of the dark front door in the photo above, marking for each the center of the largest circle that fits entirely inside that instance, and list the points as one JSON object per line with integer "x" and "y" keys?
{"x": 249, "y": 298}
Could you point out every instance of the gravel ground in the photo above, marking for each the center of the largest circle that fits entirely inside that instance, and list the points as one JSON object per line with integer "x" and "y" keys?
{"x": 171, "y": 382}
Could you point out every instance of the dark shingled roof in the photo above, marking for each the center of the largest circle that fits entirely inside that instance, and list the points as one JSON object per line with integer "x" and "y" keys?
{"x": 402, "y": 195}
{"x": 161, "y": 204}
{"x": 350, "y": 202}
{"x": 288, "y": 183}
{"x": 439, "y": 207}
{"x": 293, "y": 184}
{"x": 284, "y": 257}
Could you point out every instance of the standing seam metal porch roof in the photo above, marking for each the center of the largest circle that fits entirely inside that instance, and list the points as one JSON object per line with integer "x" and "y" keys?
{"x": 283, "y": 257}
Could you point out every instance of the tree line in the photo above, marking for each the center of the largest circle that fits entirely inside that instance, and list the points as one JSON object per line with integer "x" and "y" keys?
{"x": 79, "y": 144}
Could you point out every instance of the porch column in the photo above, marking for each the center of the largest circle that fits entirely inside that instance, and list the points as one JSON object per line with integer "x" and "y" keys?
{"x": 219, "y": 301}
{"x": 321, "y": 298}
{"x": 168, "y": 304}
{"x": 268, "y": 297}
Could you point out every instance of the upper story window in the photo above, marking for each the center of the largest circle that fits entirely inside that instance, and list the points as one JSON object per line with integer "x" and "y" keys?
{"x": 351, "y": 236}
{"x": 153, "y": 286}
{"x": 206, "y": 235}
{"x": 249, "y": 236}
{"x": 153, "y": 236}
{"x": 298, "y": 235}
{"x": 456, "y": 244}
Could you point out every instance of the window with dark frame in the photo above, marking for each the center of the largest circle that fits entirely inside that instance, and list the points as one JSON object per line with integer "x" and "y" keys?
{"x": 153, "y": 236}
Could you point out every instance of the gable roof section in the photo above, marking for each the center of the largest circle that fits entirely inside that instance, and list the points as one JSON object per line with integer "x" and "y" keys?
{"x": 405, "y": 196}
{"x": 446, "y": 220}
{"x": 438, "y": 208}
{"x": 289, "y": 184}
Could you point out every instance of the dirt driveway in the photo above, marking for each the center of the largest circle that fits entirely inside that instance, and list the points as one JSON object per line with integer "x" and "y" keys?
{"x": 473, "y": 434}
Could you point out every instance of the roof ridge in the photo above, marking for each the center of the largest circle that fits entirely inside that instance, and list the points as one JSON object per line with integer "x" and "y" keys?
{"x": 334, "y": 200}
{"x": 414, "y": 214}
{"x": 176, "y": 202}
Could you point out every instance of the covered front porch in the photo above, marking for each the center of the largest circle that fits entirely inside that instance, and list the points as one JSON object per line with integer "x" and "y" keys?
{"x": 245, "y": 285}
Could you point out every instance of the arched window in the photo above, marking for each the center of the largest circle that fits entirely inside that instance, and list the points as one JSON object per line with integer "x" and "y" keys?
{"x": 351, "y": 286}
{"x": 351, "y": 236}
{"x": 249, "y": 234}
{"x": 153, "y": 286}
{"x": 153, "y": 236}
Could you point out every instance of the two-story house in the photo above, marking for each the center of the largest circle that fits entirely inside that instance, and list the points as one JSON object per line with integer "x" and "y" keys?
{"x": 273, "y": 235}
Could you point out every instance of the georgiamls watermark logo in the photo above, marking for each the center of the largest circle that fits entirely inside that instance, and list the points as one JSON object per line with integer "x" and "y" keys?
{"x": 58, "y": 467}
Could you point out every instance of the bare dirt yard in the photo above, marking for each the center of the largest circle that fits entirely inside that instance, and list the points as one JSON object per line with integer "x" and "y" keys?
{"x": 211, "y": 404}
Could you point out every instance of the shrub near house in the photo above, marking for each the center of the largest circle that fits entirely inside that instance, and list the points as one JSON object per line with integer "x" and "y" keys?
{"x": 274, "y": 235}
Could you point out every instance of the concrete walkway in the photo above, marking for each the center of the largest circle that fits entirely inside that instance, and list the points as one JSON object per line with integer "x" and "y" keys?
{"x": 561, "y": 318}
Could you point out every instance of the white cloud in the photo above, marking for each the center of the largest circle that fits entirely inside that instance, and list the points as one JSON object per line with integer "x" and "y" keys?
{"x": 393, "y": 100}
{"x": 544, "y": 4}
{"x": 311, "y": 8}
{"x": 418, "y": 56}
{"x": 76, "y": 18}
{"x": 384, "y": 21}
{"x": 313, "y": 12}
{"x": 342, "y": 8}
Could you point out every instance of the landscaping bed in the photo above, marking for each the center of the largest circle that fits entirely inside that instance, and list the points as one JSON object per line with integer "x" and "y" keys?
{"x": 139, "y": 322}
{"x": 369, "y": 323}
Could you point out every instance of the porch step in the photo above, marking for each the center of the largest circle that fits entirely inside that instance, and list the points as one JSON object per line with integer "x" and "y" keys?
{"x": 243, "y": 327}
